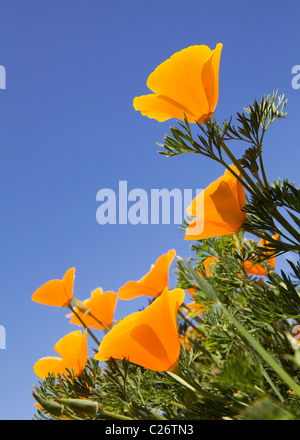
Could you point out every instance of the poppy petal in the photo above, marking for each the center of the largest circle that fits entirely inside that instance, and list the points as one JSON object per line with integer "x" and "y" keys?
{"x": 48, "y": 365}
{"x": 210, "y": 77}
{"x": 148, "y": 338}
{"x": 218, "y": 209}
{"x": 187, "y": 83}
{"x": 153, "y": 283}
{"x": 73, "y": 351}
{"x": 180, "y": 78}
{"x": 161, "y": 108}
{"x": 252, "y": 268}
{"x": 101, "y": 306}
{"x": 56, "y": 292}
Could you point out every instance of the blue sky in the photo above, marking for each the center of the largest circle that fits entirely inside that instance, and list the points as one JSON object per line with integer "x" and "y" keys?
{"x": 68, "y": 129}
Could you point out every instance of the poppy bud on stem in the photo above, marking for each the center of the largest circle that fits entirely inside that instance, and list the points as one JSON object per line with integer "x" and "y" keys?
{"x": 86, "y": 311}
{"x": 88, "y": 407}
{"x": 51, "y": 406}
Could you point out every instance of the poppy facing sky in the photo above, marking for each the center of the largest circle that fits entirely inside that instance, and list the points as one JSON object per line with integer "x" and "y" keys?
{"x": 57, "y": 293}
{"x": 148, "y": 338}
{"x": 185, "y": 84}
{"x": 73, "y": 351}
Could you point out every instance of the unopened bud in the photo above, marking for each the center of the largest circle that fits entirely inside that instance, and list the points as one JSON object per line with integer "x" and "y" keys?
{"x": 85, "y": 406}
{"x": 51, "y": 406}
{"x": 81, "y": 306}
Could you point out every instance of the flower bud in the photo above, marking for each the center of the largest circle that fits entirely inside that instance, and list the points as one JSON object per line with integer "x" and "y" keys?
{"x": 51, "y": 406}
{"x": 81, "y": 306}
{"x": 85, "y": 406}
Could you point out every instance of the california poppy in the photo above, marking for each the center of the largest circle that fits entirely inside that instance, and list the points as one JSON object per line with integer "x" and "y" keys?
{"x": 252, "y": 268}
{"x": 101, "y": 307}
{"x": 73, "y": 351}
{"x": 56, "y": 292}
{"x": 153, "y": 283}
{"x": 148, "y": 338}
{"x": 207, "y": 263}
{"x": 191, "y": 335}
{"x": 194, "y": 309}
{"x": 186, "y": 83}
{"x": 218, "y": 208}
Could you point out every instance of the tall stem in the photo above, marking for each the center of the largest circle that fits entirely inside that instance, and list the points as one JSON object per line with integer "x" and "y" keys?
{"x": 84, "y": 325}
{"x": 85, "y": 310}
{"x": 251, "y": 187}
{"x": 263, "y": 170}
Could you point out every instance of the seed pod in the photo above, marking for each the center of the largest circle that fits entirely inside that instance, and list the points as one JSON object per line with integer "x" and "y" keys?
{"x": 85, "y": 406}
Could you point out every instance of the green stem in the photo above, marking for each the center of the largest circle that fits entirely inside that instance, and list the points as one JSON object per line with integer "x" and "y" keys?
{"x": 176, "y": 373}
{"x": 285, "y": 223}
{"x": 85, "y": 310}
{"x": 85, "y": 326}
{"x": 252, "y": 188}
{"x": 114, "y": 415}
{"x": 263, "y": 170}
{"x": 272, "y": 385}
{"x": 99, "y": 322}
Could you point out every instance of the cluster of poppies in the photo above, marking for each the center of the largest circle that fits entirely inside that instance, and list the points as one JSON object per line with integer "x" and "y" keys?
{"x": 149, "y": 337}
{"x": 185, "y": 85}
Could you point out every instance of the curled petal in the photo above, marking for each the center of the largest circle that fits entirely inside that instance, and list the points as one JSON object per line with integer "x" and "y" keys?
{"x": 153, "y": 283}
{"x": 218, "y": 209}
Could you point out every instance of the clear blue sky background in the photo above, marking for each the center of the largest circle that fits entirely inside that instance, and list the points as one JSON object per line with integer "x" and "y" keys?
{"x": 68, "y": 129}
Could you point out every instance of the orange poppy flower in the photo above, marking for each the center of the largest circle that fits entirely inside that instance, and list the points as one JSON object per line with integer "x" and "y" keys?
{"x": 194, "y": 309}
{"x": 296, "y": 333}
{"x": 187, "y": 83}
{"x": 73, "y": 351}
{"x": 252, "y": 268}
{"x": 56, "y": 292}
{"x": 148, "y": 338}
{"x": 101, "y": 306}
{"x": 191, "y": 291}
{"x": 190, "y": 335}
{"x": 218, "y": 208}
{"x": 153, "y": 283}
{"x": 207, "y": 263}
